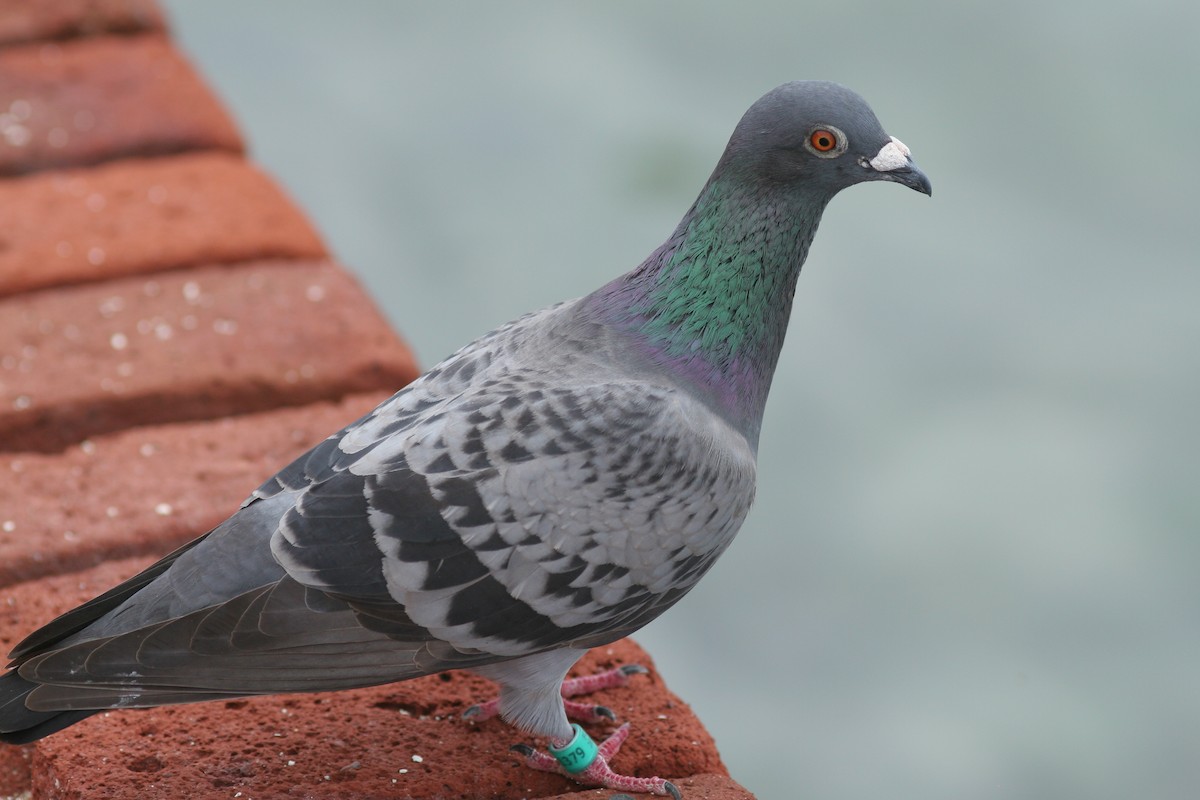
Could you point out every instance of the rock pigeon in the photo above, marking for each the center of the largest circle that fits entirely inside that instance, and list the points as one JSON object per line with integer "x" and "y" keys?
{"x": 551, "y": 487}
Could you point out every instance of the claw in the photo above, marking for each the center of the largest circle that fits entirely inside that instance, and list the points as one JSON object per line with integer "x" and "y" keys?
{"x": 481, "y": 711}
{"x": 599, "y": 773}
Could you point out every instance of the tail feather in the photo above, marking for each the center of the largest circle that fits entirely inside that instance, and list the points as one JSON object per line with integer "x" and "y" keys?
{"x": 20, "y": 725}
{"x": 50, "y": 634}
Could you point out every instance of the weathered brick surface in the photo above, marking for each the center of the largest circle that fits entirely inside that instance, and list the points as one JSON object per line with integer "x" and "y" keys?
{"x": 80, "y": 361}
{"x": 147, "y": 489}
{"x": 85, "y": 101}
{"x": 403, "y": 740}
{"x": 144, "y": 216}
{"x": 30, "y": 20}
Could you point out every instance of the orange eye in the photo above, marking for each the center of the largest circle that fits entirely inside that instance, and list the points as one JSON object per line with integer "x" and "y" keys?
{"x": 822, "y": 140}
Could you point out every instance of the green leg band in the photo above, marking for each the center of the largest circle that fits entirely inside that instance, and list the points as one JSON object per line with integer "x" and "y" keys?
{"x": 579, "y": 754}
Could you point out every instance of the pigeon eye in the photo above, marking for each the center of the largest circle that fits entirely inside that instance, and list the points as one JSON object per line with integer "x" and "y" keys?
{"x": 822, "y": 140}
{"x": 825, "y": 141}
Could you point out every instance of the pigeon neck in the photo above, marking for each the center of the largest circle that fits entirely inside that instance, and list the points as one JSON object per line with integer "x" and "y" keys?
{"x": 711, "y": 305}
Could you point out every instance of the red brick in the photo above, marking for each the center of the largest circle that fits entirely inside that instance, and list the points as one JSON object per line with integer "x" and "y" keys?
{"x": 198, "y": 344}
{"x": 14, "y": 771}
{"x": 355, "y": 743}
{"x": 148, "y": 489}
{"x": 90, "y": 100}
{"x": 144, "y": 216}
{"x": 360, "y": 738}
{"x": 31, "y": 20}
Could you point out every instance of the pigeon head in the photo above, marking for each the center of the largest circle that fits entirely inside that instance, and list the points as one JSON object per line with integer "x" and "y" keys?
{"x": 710, "y": 306}
{"x": 819, "y": 138}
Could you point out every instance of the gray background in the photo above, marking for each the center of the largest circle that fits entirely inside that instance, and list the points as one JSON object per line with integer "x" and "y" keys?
{"x": 972, "y": 568}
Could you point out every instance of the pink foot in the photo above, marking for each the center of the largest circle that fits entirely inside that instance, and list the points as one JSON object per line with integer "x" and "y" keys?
{"x": 584, "y": 712}
{"x": 600, "y": 773}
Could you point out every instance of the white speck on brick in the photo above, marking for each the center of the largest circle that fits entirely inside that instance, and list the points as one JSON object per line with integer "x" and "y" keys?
{"x": 8, "y": 526}
{"x": 96, "y": 256}
{"x": 16, "y": 135}
{"x": 163, "y": 509}
{"x": 163, "y": 331}
{"x": 191, "y": 292}
{"x": 315, "y": 293}
{"x": 87, "y": 446}
{"x": 147, "y": 449}
{"x": 417, "y": 758}
{"x": 22, "y": 402}
{"x": 111, "y": 306}
{"x": 111, "y": 512}
{"x": 118, "y": 341}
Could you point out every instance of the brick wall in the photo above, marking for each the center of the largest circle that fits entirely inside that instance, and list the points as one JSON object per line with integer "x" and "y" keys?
{"x": 173, "y": 330}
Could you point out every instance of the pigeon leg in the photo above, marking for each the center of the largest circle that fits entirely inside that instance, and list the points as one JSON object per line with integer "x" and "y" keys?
{"x": 573, "y": 687}
{"x": 598, "y": 772}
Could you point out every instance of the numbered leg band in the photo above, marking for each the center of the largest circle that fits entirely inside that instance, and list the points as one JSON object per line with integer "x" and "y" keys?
{"x": 579, "y": 754}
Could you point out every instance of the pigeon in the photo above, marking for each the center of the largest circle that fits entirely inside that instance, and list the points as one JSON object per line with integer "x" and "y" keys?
{"x": 551, "y": 487}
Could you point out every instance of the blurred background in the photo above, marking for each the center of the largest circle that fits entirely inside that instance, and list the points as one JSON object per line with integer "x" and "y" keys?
{"x": 973, "y": 570}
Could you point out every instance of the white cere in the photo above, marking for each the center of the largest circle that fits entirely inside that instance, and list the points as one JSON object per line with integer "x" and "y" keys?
{"x": 892, "y": 155}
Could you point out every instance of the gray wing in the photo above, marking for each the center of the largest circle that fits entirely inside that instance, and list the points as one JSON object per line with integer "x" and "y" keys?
{"x": 529, "y": 515}
{"x": 490, "y": 511}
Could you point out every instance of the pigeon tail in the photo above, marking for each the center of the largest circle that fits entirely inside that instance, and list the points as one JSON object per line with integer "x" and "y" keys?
{"x": 22, "y": 725}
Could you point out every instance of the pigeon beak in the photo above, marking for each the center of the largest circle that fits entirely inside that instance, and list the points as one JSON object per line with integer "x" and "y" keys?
{"x": 894, "y": 162}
